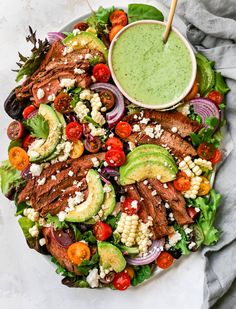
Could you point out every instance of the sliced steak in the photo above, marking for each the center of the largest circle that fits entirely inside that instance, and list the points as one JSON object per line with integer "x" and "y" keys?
{"x": 174, "y": 198}
{"x": 57, "y": 251}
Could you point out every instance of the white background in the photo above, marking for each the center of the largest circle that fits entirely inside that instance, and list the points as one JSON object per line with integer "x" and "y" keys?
{"x": 27, "y": 279}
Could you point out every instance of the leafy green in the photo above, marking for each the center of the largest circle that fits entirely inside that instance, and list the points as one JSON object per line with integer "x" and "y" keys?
{"x": 62, "y": 271}
{"x": 93, "y": 61}
{"x": 20, "y": 208}
{"x": 116, "y": 237}
{"x": 220, "y": 84}
{"x": 25, "y": 225}
{"x": 113, "y": 221}
{"x": 183, "y": 243}
{"x": 38, "y": 126}
{"x": 90, "y": 120}
{"x": 89, "y": 237}
{"x": 9, "y": 177}
{"x": 143, "y": 11}
{"x": 87, "y": 265}
{"x": 103, "y": 15}
{"x": 198, "y": 234}
{"x": 141, "y": 273}
{"x": 75, "y": 94}
{"x": 54, "y": 220}
{"x": 208, "y": 206}
{"x": 78, "y": 235}
{"x": 17, "y": 143}
{"x": 86, "y": 236}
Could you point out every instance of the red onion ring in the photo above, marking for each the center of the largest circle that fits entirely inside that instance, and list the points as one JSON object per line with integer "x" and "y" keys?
{"x": 205, "y": 108}
{"x": 55, "y": 36}
{"x": 34, "y": 113}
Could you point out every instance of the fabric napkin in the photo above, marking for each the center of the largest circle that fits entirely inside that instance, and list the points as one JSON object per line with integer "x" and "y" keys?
{"x": 211, "y": 28}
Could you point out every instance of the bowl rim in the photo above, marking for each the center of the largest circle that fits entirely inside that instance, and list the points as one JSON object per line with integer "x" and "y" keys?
{"x": 174, "y": 102}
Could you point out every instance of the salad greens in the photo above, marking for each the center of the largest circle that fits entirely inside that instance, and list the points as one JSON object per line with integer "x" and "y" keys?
{"x": 54, "y": 220}
{"x": 25, "y": 225}
{"x": 141, "y": 273}
{"x": 38, "y": 126}
{"x": 143, "y": 11}
{"x": 220, "y": 84}
{"x": 87, "y": 265}
{"x": 183, "y": 243}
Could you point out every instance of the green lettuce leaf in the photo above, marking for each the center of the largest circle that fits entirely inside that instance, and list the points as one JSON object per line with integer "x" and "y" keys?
{"x": 143, "y": 11}
{"x": 141, "y": 273}
{"x": 220, "y": 84}
{"x": 103, "y": 15}
{"x": 87, "y": 265}
{"x": 38, "y": 126}
{"x": 183, "y": 243}
{"x": 54, "y": 220}
{"x": 25, "y": 225}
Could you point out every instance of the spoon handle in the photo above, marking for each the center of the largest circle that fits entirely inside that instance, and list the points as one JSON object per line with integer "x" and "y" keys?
{"x": 169, "y": 21}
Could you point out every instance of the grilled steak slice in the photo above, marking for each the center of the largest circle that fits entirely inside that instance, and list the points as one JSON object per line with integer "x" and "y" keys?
{"x": 156, "y": 210}
{"x": 57, "y": 251}
{"x": 174, "y": 198}
{"x": 168, "y": 120}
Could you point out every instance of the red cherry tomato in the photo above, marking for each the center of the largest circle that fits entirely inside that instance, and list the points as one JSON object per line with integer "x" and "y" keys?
{"x": 62, "y": 103}
{"x": 123, "y": 129}
{"x": 102, "y": 230}
{"x": 216, "y": 97}
{"x": 216, "y": 157}
{"x": 206, "y": 151}
{"x": 28, "y": 110}
{"x": 15, "y": 130}
{"x": 74, "y": 131}
{"x": 101, "y": 72}
{"x": 115, "y": 157}
{"x": 121, "y": 281}
{"x": 118, "y": 18}
{"x": 82, "y": 26}
{"x": 93, "y": 145}
{"x": 114, "y": 143}
{"x": 28, "y": 140}
{"x": 130, "y": 206}
{"x": 164, "y": 260}
{"x": 193, "y": 214}
{"x": 182, "y": 182}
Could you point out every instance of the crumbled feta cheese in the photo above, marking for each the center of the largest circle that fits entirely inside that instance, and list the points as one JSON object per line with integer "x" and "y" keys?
{"x": 95, "y": 162}
{"x": 70, "y": 173}
{"x": 88, "y": 56}
{"x": 41, "y": 181}
{"x": 184, "y": 109}
{"x": 34, "y": 232}
{"x": 145, "y": 182}
{"x": 145, "y": 121}
{"x": 76, "y": 31}
{"x": 149, "y": 131}
{"x": 40, "y": 93}
{"x": 51, "y": 97}
{"x": 93, "y": 278}
{"x": 107, "y": 189}
{"x": 165, "y": 186}
{"x": 134, "y": 204}
{"x": 191, "y": 245}
{"x": 79, "y": 71}
{"x": 174, "y": 238}
{"x": 42, "y": 241}
{"x": 67, "y": 50}
{"x": 53, "y": 177}
{"x": 131, "y": 145}
{"x": 32, "y": 151}
{"x": 174, "y": 130}
{"x": 67, "y": 83}
{"x": 74, "y": 201}
{"x": 154, "y": 192}
{"x": 61, "y": 216}
{"x": 36, "y": 169}
{"x": 136, "y": 128}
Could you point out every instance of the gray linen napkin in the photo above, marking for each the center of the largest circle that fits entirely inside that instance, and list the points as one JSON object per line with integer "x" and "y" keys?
{"x": 211, "y": 28}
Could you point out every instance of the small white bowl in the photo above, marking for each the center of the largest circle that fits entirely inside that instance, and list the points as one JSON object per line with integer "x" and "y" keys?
{"x": 174, "y": 102}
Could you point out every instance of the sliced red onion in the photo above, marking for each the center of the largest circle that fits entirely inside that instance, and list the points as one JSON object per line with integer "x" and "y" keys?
{"x": 205, "y": 108}
{"x": 108, "y": 172}
{"x": 104, "y": 179}
{"x": 86, "y": 130}
{"x": 62, "y": 238}
{"x": 153, "y": 253}
{"x": 26, "y": 174}
{"x": 55, "y": 36}
{"x": 117, "y": 113}
{"x": 31, "y": 115}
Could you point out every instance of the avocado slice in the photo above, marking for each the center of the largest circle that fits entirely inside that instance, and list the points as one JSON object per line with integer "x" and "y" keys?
{"x": 111, "y": 256}
{"x": 205, "y": 73}
{"x": 86, "y": 40}
{"x": 91, "y": 206}
{"x": 129, "y": 250}
{"x": 54, "y": 136}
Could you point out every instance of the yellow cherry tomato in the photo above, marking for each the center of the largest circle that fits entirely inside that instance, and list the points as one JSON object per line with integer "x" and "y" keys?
{"x": 205, "y": 187}
{"x": 78, "y": 252}
{"x": 129, "y": 270}
{"x": 77, "y": 150}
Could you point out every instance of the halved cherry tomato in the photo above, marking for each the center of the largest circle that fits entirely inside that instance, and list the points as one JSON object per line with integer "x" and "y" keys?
{"x": 193, "y": 214}
{"x": 193, "y": 92}
{"x": 77, "y": 150}
{"x": 114, "y": 143}
{"x": 164, "y": 260}
{"x": 206, "y": 151}
{"x": 217, "y": 157}
{"x": 121, "y": 281}
{"x": 130, "y": 206}
{"x": 62, "y": 103}
{"x": 107, "y": 98}
{"x": 93, "y": 145}
{"x": 101, "y": 72}
{"x": 182, "y": 182}
{"x": 114, "y": 31}
{"x": 28, "y": 110}
{"x": 102, "y": 230}
{"x": 78, "y": 252}
{"x": 18, "y": 158}
{"x": 216, "y": 97}
{"x": 123, "y": 129}
{"x": 27, "y": 141}
{"x": 82, "y": 26}
{"x": 129, "y": 270}
{"x": 15, "y": 130}
{"x": 115, "y": 157}
{"x": 118, "y": 18}
{"x": 74, "y": 131}
{"x": 205, "y": 187}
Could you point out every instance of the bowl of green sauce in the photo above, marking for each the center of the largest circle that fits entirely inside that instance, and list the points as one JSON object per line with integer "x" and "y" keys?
{"x": 148, "y": 72}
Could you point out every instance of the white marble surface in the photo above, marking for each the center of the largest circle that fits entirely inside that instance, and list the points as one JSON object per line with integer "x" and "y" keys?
{"x": 27, "y": 279}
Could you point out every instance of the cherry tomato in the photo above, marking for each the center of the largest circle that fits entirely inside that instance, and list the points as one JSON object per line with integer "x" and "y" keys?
{"x": 123, "y": 129}
{"x": 77, "y": 150}
{"x": 62, "y": 103}
{"x": 93, "y": 145}
{"x": 118, "y": 18}
{"x": 129, "y": 270}
{"x": 114, "y": 143}
{"x": 115, "y": 157}
{"x": 164, "y": 260}
{"x": 205, "y": 187}
{"x": 74, "y": 131}
{"x": 101, "y": 72}
{"x": 107, "y": 98}
{"x": 18, "y": 158}
{"x": 193, "y": 214}
{"x": 102, "y": 230}
{"x": 78, "y": 252}
{"x": 182, "y": 182}
{"x": 130, "y": 206}
{"x": 28, "y": 110}
{"x": 114, "y": 31}
{"x": 82, "y": 26}
{"x": 27, "y": 141}
{"x": 15, "y": 130}
{"x": 216, "y": 97}
{"x": 193, "y": 92}
{"x": 216, "y": 157}
{"x": 121, "y": 281}
{"x": 206, "y": 151}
